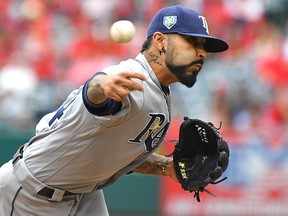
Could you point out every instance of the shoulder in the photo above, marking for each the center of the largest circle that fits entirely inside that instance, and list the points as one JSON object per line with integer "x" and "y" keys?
{"x": 127, "y": 65}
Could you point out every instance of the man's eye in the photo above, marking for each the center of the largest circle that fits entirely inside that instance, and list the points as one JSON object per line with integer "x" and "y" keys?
{"x": 193, "y": 40}
{"x": 196, "y": 42}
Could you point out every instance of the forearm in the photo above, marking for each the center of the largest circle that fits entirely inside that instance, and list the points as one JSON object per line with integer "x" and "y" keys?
{"x": 154, "y": 165}
{"x": 158, "y": 165}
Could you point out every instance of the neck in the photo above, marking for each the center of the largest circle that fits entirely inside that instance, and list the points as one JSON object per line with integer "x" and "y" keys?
{"x": 154, "y": 59}
{"x": 157, "y": 63}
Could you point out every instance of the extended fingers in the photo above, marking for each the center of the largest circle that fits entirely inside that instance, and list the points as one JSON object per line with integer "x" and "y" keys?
{"x": 117, "y": 86}
{"x": 128, "y": 81}
{"x": 137, "y": 75}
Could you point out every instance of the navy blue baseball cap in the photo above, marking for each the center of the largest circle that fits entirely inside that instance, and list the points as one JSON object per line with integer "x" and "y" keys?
{"x": 185, "y": 21}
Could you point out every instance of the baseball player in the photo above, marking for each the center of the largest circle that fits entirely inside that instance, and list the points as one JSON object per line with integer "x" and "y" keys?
{"x": 110, "y": 126}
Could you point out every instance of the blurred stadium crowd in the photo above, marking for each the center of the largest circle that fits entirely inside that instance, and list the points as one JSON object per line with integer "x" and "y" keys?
{"x": 47, "y": 48}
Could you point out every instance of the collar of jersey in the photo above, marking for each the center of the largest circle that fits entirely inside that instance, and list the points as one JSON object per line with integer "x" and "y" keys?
{"x": 142, "y": 60}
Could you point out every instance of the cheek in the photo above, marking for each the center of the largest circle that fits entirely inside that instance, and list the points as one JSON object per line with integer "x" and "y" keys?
{"x": 184, "y": 57}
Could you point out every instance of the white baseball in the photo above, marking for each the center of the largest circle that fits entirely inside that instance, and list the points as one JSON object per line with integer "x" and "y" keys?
{"x": 122, "y": 31}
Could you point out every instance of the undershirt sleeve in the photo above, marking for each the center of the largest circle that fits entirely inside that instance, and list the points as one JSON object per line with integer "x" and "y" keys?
{"x": 108, "y": 107}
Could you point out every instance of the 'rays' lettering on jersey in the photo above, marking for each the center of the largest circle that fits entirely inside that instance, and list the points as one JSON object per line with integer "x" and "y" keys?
{"x": 153, "y": 133}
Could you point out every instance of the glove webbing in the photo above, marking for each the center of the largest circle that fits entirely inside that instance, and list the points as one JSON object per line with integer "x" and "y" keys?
{"x": 176, "y": 141}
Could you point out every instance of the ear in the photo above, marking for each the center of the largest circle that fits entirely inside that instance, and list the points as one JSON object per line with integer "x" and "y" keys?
{"x": 159, "y": 40}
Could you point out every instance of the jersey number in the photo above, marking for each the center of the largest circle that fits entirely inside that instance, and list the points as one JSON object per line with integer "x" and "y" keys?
{"x": 59, "y": 113}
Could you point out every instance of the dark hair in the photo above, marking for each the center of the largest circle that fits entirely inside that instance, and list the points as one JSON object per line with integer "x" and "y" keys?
{"x": 146, "y": 44}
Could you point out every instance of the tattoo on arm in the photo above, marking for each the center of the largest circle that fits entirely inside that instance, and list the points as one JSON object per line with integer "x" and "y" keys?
{"x": 95, "y": 92}
{"x": 154, "y": 58}
{"x": 153, "y": 165}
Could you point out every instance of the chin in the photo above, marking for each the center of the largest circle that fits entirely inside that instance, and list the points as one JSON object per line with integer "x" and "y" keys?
{"x": 189, "y": 83}
{"x": 190, "y": 80}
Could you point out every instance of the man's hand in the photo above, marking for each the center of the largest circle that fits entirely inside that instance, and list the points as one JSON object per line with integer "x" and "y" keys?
{"x": 170, "y": 170}
{"x": 114, "y": 86}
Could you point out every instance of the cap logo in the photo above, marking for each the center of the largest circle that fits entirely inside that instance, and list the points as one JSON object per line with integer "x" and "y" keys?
{"x": 205, "y": 24}
{"x": 169, "y": 21}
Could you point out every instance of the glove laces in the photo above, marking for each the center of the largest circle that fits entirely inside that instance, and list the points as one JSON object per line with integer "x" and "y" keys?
{"x": 202, "y": 189}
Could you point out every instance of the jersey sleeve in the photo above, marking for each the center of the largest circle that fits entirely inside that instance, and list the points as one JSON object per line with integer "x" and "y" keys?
{"x": 109, "y": 107}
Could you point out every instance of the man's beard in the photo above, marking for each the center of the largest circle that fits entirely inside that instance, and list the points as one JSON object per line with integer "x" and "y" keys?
{"x": 179, "y": 71}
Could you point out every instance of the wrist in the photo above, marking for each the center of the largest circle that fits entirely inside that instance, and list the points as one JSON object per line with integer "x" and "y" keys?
{"x": 164, "y": 166}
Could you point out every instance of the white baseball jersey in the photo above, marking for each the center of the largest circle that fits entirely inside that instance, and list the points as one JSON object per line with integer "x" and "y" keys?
{"x": 78, "y": 151}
